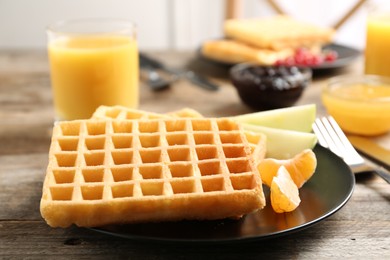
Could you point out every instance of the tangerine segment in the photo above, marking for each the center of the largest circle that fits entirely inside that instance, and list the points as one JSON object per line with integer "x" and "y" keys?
{"x": 301, "y": 167}
{"x": 284, "y": 192}
{"x": 268, "y": 168}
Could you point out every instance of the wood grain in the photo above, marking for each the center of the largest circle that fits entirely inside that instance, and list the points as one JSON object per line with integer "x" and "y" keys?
{"x": 361, "y": 229}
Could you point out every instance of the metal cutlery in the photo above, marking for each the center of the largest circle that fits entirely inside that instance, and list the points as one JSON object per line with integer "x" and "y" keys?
{"x": 331, "y": 136}
{"x": 148, "y": 62}
{"x": 154, "y": 79}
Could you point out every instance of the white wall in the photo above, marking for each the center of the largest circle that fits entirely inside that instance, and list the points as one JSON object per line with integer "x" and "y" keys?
{"x": 164, "y": 24}
{"x": 23, "y": 22}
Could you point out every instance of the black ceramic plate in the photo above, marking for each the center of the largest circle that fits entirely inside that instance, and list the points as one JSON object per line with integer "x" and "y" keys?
{"x": 325, "y": 193}
{"x": 345, "y": 56}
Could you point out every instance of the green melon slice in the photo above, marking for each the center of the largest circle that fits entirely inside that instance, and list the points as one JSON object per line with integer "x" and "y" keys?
{"x": 284, "y": 144}
{"x": 298, "y": 118}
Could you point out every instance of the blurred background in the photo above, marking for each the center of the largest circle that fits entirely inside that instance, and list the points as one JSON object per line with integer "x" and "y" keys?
{"x": 172, "y": 24}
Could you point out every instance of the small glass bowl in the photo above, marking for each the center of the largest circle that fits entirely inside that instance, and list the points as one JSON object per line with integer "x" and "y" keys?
{"x": 359, "y": 104}
{"x": 269, "y": 87}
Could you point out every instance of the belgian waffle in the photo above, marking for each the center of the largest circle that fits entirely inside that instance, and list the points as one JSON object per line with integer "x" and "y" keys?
{"x": 257, "y": 141}
{"x": 127, "y": 171}
{"x": 185, "y": 112}
{"x": 121, "y": 112}
{"x": 277, "y": 32}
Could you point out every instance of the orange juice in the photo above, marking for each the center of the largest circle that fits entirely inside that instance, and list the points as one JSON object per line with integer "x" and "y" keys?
{"x": 89, "y": 71}
{"x": 359, "y": 108}
{"x": 377, "y": 45}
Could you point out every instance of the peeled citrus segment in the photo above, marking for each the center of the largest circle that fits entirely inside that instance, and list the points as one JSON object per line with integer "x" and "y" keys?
{"x": 301, "y": 167}
{"x": 284, "y": 192}
{"x": 268, "y": 168}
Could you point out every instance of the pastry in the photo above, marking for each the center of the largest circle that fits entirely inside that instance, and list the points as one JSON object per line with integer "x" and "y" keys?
{"x": 233, "y": 51}
{"x": 277, "y": 32}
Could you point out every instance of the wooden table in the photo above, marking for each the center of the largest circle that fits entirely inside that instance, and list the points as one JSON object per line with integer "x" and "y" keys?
{"x": 361, "y": 229}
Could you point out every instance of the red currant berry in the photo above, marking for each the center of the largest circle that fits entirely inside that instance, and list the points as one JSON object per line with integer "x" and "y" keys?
{"x": 330, "y": 56}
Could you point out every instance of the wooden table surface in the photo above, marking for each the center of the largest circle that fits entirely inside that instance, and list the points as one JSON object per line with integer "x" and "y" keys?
{"x": 361, "y": 229}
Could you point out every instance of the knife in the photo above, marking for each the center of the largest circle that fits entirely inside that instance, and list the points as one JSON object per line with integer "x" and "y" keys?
{"x": 190, "y": 75}
{"x": 371, "y": 150}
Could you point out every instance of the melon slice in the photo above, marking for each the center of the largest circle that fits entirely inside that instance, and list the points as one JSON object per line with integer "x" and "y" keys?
{"x": 283, "y": 144}
{"x": 298, "y": 118}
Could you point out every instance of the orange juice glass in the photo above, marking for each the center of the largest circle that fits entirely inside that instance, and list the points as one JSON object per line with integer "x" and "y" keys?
{"x": 377, "y": 54}
{"x": 93, "y": 62}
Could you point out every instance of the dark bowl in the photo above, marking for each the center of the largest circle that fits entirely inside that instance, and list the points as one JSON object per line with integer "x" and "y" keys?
{"x": 269, "y": 87}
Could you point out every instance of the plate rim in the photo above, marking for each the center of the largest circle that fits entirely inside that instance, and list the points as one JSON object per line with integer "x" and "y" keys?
{"x": 248, "y": 238}
{"x": 324, "y": 66}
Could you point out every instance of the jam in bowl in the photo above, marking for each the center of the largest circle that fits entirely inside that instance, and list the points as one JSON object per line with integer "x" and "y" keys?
{"x": 269, "y": 87}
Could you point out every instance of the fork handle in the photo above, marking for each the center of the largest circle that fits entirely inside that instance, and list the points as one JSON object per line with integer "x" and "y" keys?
{"x": 383, "y": 173}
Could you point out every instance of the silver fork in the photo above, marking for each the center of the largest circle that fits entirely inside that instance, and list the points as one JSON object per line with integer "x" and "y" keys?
{"x": 331, "y": 136}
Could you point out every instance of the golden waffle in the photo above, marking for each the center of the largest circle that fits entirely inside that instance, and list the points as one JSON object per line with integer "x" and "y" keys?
{"x": 257, "y": 141}
{"x": 126, "y": 171}
{"x": 232, "y": 51}
{"x": 277, "y": 32}
{"x": 185, "y": 112}
{"x": 122, "y": 113}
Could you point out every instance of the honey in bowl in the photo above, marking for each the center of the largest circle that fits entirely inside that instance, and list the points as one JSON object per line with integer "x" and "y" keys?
{"x": 360, "y": 104}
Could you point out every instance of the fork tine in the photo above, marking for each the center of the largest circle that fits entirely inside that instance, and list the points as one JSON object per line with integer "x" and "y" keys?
{"x": 329, "y": 132}
{"x": 327, "y": 136}
{"x": 339, "y": 146}
{"x": 351, "y": 154}
{"x": 320, "y": 137}
{"x": 331, "y": 136}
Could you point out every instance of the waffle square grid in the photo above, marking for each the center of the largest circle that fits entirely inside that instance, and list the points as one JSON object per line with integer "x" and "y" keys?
{"x": 124, "y": 171}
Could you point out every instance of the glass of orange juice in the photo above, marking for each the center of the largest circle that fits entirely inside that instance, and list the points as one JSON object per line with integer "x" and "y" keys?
{"x": 377, "y": 54}
{"x": 93, "y": 62}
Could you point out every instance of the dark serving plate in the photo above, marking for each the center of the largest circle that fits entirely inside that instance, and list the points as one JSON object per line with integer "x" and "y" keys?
{"x": 324, "y": 194}
{"x": 345, "y": 56}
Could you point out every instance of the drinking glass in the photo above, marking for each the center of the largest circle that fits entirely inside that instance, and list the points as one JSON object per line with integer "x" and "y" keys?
{"x": 93, "y": 62}
{"x": 377, "y": 54}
